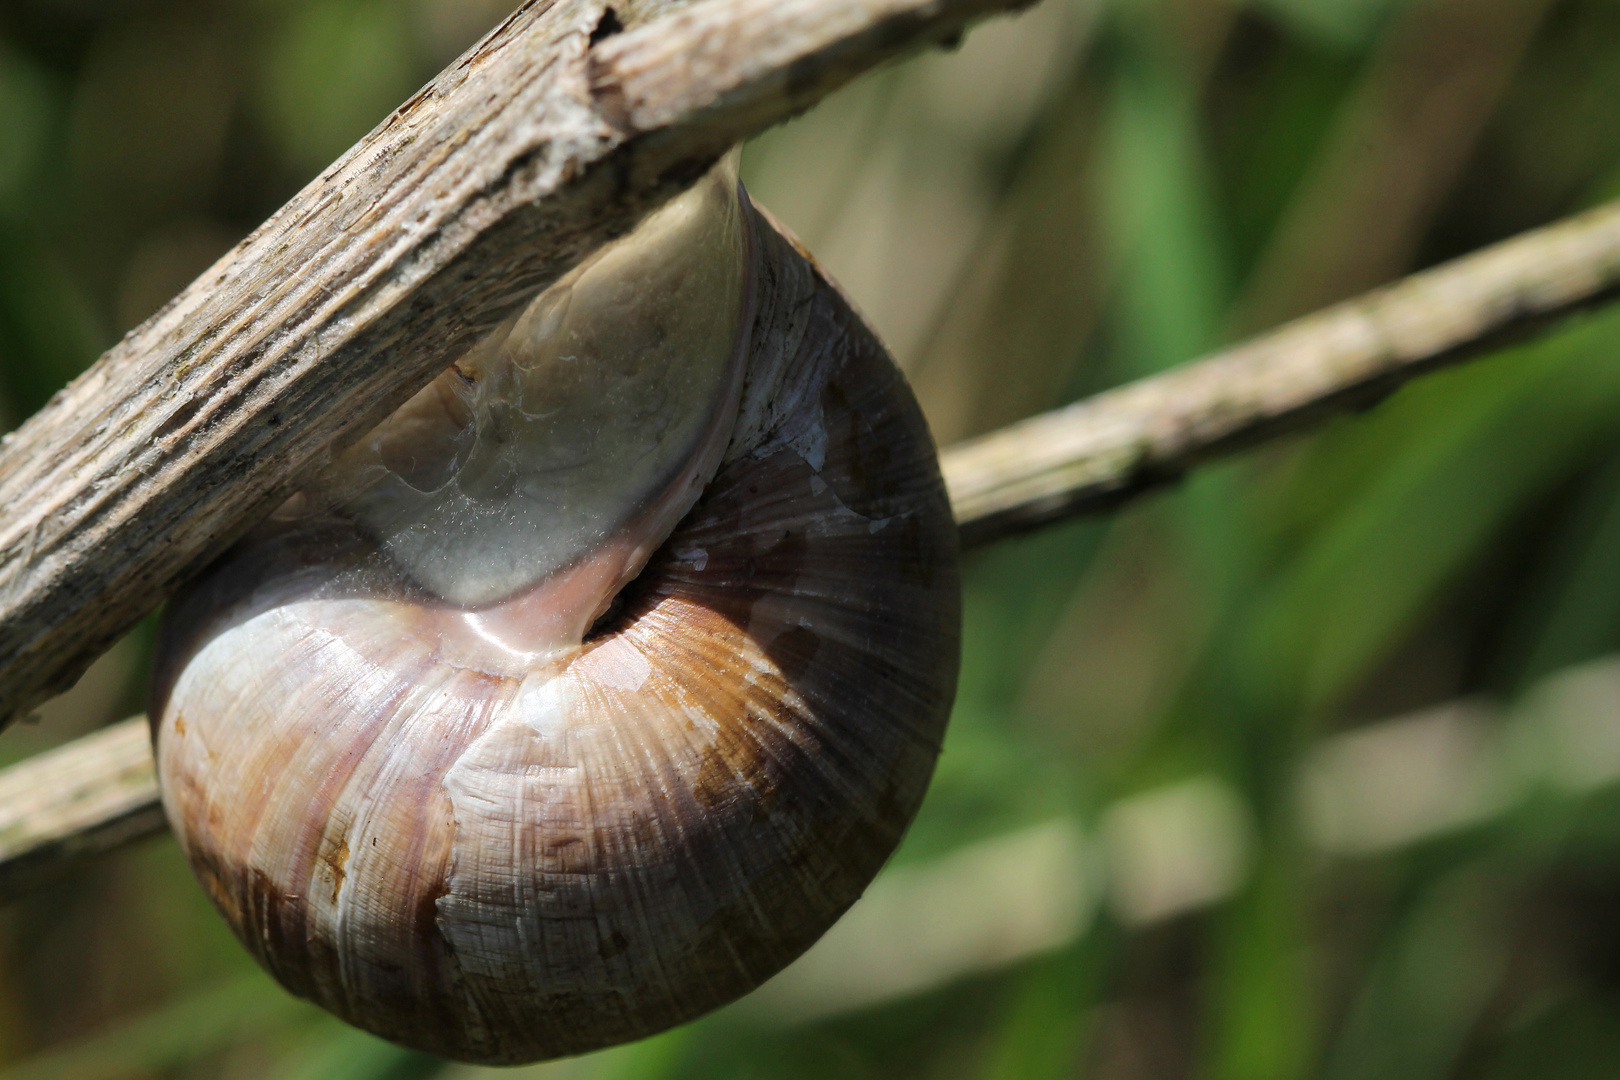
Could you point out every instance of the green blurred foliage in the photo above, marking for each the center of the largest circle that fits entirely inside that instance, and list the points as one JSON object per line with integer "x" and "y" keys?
{"x": 1089, "y": 193}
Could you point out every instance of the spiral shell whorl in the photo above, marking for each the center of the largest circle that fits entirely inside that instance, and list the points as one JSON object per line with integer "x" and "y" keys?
{"x": 502, "y": 866}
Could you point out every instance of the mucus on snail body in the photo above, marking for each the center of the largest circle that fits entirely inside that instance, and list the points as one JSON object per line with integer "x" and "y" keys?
{"x": 593, "y": 685}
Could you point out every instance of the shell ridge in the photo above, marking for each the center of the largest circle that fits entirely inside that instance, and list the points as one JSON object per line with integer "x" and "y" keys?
{"x": 329, "y": 804}
{"x": 462, "y": 910}
{"x": 640, "y": 903}
{"x": 480, "y": 1032}
{"x": 705, "y": 848}
{"x": 798, "y": 736}
{"x": 401, "y": 785}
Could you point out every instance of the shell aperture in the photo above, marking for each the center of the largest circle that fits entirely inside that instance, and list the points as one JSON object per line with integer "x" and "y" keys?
{"x": 426, "y": 798}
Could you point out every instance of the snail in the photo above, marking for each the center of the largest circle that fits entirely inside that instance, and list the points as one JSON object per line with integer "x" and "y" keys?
{"x": 588, "y": 689}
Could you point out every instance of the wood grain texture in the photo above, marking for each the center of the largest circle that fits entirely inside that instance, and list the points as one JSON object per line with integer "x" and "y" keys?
{"x": 523, "y": 155}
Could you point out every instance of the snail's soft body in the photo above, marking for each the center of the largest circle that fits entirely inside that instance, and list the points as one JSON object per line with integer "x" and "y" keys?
{"x": 437, "y": 785}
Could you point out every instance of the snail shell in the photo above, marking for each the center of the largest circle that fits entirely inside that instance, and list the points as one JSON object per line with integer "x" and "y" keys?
{"x": 590, "y": 688}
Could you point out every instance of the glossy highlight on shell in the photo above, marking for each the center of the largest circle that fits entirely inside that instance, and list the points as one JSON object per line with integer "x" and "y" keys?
{"x": 589, "y": 689}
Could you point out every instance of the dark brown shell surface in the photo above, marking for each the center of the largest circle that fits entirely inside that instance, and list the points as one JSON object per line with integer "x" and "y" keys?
{"x": 502, "y": 865}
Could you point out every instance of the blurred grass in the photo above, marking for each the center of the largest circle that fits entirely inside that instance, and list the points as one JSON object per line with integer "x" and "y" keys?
{"x": 1088, "y": 193}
